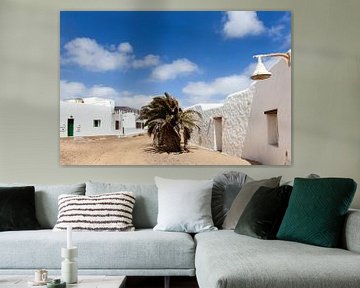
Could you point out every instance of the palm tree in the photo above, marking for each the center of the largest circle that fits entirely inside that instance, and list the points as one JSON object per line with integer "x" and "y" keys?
{"x": 168, "y": 123}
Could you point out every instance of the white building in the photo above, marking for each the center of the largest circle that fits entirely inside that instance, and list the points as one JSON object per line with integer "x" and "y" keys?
{"x": 96, "y": 117}
{"x": 268, "y": 137}
{"x": 255, "y": 123}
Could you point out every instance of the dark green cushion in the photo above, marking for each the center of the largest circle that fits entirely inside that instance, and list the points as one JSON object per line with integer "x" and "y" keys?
{"x": 17, "y": 208}
{"x": 263, "y": 214}
{"x": 316, "y": 211}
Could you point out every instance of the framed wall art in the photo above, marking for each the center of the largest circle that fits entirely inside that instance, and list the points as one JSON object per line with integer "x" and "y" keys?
{"x": 175, "y": 88}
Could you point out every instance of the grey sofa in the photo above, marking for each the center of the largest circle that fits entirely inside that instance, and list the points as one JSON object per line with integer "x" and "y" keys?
{"x": 218, "y": 259}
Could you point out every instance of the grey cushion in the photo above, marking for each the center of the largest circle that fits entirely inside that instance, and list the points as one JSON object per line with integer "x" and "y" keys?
{"x": 144, "y": 249}
{"x": 146, "y": 204}
{"x": 184, "y": 205}
{"x": 243, "y": 198}
{"x": 225, "y": 189}
{"x": 225, "y": 259}
{"x": 351, "y": 231}
{"x": 46, "y": 200}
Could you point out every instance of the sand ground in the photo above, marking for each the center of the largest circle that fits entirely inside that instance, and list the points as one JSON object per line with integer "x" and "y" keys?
{"x": 136, "y": 150}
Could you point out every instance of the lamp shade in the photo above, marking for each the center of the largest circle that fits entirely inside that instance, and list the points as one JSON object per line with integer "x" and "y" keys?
{"x": 260, "y": 73}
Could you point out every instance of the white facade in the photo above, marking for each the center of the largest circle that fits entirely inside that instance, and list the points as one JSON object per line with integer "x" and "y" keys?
{"x": 80, "y": 119}
{"x": 254, "y": 124}
{"x": 129, "y": 120}
{"x": 224, "y": 127}
{"x": 95, "y": 117}
{"x": 271, "y": 111}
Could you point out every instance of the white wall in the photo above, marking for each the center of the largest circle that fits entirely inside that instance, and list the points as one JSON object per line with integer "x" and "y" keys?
{"x": 84, "y": 116}
{"x": 234, "y": 114}
{"x": 326, "y": 98}
{"x": 129, "y": 120}
{"x": 270, "y": 94}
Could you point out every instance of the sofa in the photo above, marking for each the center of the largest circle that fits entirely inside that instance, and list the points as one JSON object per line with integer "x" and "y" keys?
{"x": 218, "y": 259}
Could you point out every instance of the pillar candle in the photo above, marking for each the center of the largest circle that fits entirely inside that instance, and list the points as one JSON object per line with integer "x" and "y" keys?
{"x": 69, "y": 237}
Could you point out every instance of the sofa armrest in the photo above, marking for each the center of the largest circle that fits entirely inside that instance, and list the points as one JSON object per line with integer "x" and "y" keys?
{"x": 351, "y": 234}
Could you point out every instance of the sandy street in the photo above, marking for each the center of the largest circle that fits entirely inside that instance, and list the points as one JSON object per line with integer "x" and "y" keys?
{"x": 137, "y": 150}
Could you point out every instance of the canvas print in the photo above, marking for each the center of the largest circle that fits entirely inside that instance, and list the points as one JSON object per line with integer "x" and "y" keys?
{"x": 175, "y": 88}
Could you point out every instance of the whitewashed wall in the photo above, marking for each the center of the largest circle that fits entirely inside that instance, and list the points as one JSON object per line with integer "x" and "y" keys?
{"x": 235, "y": 114}
{"x": 244, "y": 124}
{"x": 129, "y": 120}
{"x": 273, "y": 93}
{"x": 84, "y": 116}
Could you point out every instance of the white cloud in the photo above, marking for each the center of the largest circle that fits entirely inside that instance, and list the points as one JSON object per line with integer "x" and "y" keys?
{"x": 219, "y": 88}
{"x": 177, "y": 68}
{"x": 205, "y": 91}
{"x": 92, "y": 56}
{"x": 125, "y": 47}
{"x": 286, "y": 42}
{"x": 276, "y": 32}
{"x": 239, "y": 24}
{"x": 148, "y": 61}
{"x": 102, "y": 92}
{"x": 133, "y": 100}
{"x": 87, "y": 53}
{"x": 70, "y": 90}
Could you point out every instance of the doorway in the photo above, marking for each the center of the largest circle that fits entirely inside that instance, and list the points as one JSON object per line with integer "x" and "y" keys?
{"x": 70, "y": 127}
{"x": 218, "y": 133}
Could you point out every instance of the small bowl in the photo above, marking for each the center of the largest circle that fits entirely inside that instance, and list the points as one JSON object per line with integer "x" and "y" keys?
{"x": 56, "y": 283}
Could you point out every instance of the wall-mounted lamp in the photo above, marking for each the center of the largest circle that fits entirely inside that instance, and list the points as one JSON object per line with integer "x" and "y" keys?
{"x": 261, "y": 73}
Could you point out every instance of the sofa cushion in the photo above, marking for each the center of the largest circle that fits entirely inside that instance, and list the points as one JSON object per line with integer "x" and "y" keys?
{"x": 243, "y": 198}
{"x": 146, "y": 205}
{"x": 184, "y": 205}
{"x": 263, "y": 215}
{"x": 46, "y": 200}
{"x": 225, "y": 259}
{"x": 105, "y": 212}
{"x": 17, "y": 208}
{"x": 350, "y": 239}
{"x": 317, "y": 209}
{"x": 143, "y": 249}
{"x": 225, "y": 189}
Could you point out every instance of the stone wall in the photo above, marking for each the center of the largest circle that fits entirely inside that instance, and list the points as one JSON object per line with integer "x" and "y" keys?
{"x": 235, "y": 113}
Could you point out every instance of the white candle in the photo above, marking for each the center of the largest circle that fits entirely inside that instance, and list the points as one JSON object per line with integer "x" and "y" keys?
{"x": 69, "y": 237}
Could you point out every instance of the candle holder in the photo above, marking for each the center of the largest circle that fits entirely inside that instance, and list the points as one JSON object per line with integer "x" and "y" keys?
{"x": 68, "y": 265}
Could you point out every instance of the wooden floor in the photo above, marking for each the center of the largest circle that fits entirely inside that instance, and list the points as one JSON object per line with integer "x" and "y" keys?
{"x": 158, "y": 282}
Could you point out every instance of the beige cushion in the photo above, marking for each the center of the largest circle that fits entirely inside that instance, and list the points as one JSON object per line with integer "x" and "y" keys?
{"x": 243, "y": 198}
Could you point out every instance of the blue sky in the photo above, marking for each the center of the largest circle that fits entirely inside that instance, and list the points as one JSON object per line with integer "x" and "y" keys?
{"x": 199, "y": 57}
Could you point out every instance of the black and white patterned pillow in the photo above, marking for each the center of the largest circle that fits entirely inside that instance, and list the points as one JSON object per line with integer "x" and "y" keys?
{"x": 105, "y": 212}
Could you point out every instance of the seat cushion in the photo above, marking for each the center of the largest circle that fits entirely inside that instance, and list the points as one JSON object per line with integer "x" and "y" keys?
{"x": 144, "y": 249}
{"x": 226, "y": 259}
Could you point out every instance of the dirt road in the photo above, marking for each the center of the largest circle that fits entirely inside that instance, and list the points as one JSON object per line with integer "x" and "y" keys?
{"x": 135, "y": 150}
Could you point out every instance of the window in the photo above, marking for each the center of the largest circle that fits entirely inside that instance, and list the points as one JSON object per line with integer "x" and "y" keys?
{"x": 117, "y": 125}
{"x": 97, "y": 123}
{"x": 272, "y": 127}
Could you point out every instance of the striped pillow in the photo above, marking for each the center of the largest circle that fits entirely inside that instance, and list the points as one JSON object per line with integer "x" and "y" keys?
{"x": 105, "y": 212}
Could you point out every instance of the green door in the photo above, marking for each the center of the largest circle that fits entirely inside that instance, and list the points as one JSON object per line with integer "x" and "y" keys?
{"x": 70, "y": 126}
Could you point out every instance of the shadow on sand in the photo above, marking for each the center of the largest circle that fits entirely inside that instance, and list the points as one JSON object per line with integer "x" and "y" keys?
{"x": 159, "y": 150}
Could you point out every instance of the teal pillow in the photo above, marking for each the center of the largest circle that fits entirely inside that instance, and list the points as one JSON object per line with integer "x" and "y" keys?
{"x": 316, "y": 211}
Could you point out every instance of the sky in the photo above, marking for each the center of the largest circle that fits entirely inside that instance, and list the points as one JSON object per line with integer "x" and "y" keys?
{"x": 198, "y": 57}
